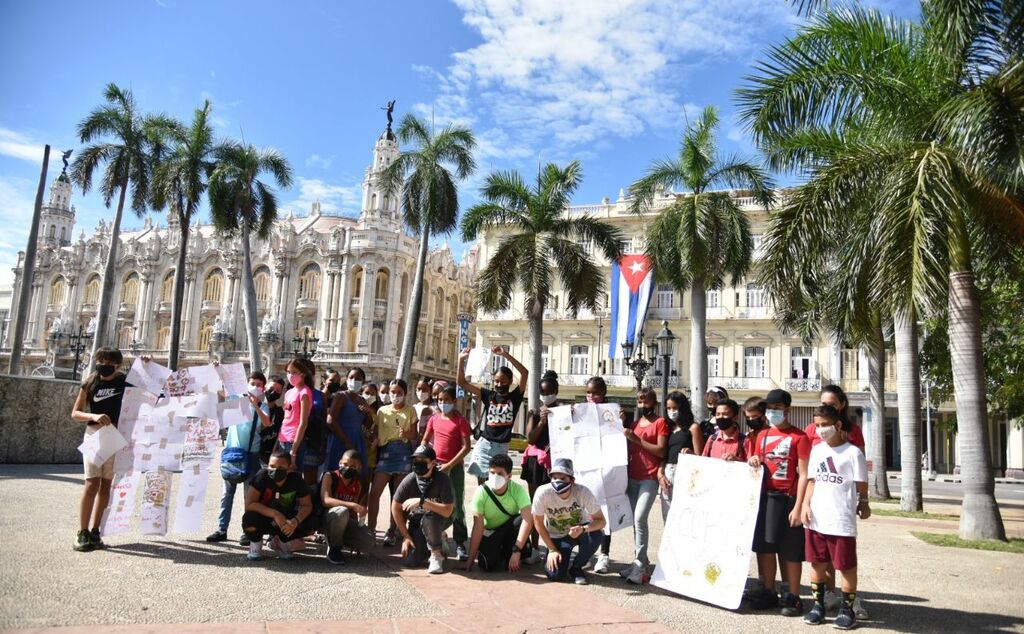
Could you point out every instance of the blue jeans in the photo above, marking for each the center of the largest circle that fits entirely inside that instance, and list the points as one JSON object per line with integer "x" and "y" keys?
{"x": 588, "y": 544}
{"x": 642, "y": 494}
{"x": 227, "y": 501}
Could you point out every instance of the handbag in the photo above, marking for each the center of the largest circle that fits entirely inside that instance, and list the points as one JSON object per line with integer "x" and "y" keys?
{"x": 236, "y": 462}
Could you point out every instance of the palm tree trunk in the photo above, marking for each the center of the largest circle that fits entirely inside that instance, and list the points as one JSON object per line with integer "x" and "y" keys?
{"x": 249, "y": 299}
{"x": 979, "y": 515}
{"x": 536, "y": 338}
{"x": 698, "y": 348}
{"x": 412, "y": 318}
{"x": 100, "y": 337}
{"x": 179, "y": 295}
{"x": 908, "y": 392}
{"x": 878, "y": 482}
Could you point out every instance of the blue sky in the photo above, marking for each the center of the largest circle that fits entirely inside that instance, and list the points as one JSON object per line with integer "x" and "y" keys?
{"x": 609, "y": 82}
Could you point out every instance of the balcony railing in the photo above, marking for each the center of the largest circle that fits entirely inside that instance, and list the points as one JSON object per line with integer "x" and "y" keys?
{"x": 163, "y": 307}
{"x": 752, "y": 312}
{"x": 126, "y": 309}
{"x": 718, "y": 312}
{"x": 54, "y": 308}
{"x": 355, "y": 304}
{"x": 742, "y": 382}
{"x": 803, "y": 385}
{"x": 306, "y": 304}
{"x": 656, "y": 381}
{"x": 210, "y": 305}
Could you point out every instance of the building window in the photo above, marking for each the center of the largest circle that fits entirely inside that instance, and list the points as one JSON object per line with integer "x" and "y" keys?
{"x": 714, "y": 298}
{"x": 125, "y": 337}
{"x": 666, "y": 296}
{"x": 545, "y": 358}
{"x": 714, "y": 361}
{"x": 381, "y": 283}
{"x": 377, "y": 342}
{"x": 167, "y": 288}
{"x": 262, "y": 283}
{"x": 58, "y": 291}
{"x": 205, "y": 332}
{"x": 163, "y": 338}
{"x": 800, "y": 362}
{"x": 213, "y": 286}
{"x": 496, "y": 361}
{"x": 92, "y": 291}
{"x": 753, "y": 362}
{"x": 755, "y": 296}
{"x": 579, "y": 360}
{"x": 758, "y": 240}
{"x": 130, "y": 292}
{"x": 850, "y": 362}
{"x": 309, "y": 282}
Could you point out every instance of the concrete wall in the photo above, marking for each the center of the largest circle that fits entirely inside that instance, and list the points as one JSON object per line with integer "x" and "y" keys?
{"x": 35, "y": 421}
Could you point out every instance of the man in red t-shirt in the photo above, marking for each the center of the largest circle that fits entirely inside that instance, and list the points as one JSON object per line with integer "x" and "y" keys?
{"x": 340, "y": 492}
{"x": 783, "y": 450}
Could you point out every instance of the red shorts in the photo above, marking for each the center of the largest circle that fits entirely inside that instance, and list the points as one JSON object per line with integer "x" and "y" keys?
{"x": 840, "y": 551}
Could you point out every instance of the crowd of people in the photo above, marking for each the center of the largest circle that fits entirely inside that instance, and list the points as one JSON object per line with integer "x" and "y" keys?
{"x": 315, "y": 459}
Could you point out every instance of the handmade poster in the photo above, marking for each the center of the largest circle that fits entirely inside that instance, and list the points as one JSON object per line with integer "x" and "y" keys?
{"x": 102, "y": 444}
{"x": 477, "y": 363}
{"x": 560, "y": 431}
{"x": 615, "y": 480}
{"x": 614, "y": 450}
{"x": 202, "y": 437}
{"x": 705, "y": 547}
{"x": 594, "y": 481}
{"x": 188, "y": 511}
{"x": 609, "y": 419}
{"x": 194, "y": 380}
{"x": 156, "y": 493}
{"x": 234, "y": 412}
{"x": 150, "y": 376}
{"x": 585, "y": 421}
{"x": 618, "y": 513}
{"x": 117, "y": 518}
{"x": 232, "y": 376}
{"x": 587, "y": 452}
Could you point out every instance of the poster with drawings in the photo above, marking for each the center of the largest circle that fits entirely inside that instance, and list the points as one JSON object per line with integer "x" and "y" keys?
{"x": 232, "y": 377}
{"x": 156, "y": 494}
{"x": 202, "y": 438}
{"x": 117, "y": 518}
{"x": 188, "y": 510}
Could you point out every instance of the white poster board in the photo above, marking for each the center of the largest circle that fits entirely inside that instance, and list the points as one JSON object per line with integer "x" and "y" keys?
{"x": 150, "y": 376}
{"x": 705, "y": 547}
{"x": 476, "y": 364}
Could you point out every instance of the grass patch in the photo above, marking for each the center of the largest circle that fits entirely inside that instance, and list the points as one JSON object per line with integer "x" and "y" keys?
{"x": 1015, "y": 545}
{"x": 917, "y": 515}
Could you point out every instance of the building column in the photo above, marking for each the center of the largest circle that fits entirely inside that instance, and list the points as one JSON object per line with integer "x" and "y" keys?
{"x": 143, "y": 309}
{"x": 326, "y": 292}
{"x": 394, "y": 313}
{"x": 342, "y": 325}
{"x": 366, "y": 308}
{"x": 187, "y": 314}
{"x": 37, "y": 324}
{"x": 340, "y": 279}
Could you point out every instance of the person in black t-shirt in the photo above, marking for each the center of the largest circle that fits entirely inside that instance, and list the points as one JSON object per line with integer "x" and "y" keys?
{"x": 685, "y": 437}
{"x": 423, "y": 506}
{"x": 98, "y": 404}
{"x": 501, "y": 405}
{"x": 278, "y": 503}
{"x": 271, "y": 420}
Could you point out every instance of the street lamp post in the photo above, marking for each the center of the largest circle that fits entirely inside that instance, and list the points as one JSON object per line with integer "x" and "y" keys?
{"x": 666, "y": 341}
{"x": 600, "y": 340}
{"x": 305, "y": 346}
{"x": 640, "y": 365}
{"x": 78, "y": 343}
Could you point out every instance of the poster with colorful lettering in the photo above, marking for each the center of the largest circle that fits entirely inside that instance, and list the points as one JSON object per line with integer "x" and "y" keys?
{"x": 232, "y": 376}
{"x": 156, "y": 494}
{"x": 188, "y": 510}
{"x": 202, "y": 437}
{"x": 150, "y": 376}
{"x": 117, "y": 518}
{"x": 705, "y": 547}
{"x": 194, "y": 380}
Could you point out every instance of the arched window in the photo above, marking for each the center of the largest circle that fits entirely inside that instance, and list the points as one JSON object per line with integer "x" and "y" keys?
{"x": 205, "y": 332}
{"x": 357, "y": 283}
{"x": 163, "y": 338}
{"x": 439, "y": 306}
{"x": 377, "y": 342}
{"x": 63, "y": 234}
{"x": 51, "y": 231}
{"x": 373, "y": 201}
{"x": 125, "y": 337}
{"x": 58, "y": 292}
{"x": 381, "y": 284}
{"x": 261, "y": 280}
{"x": 213, "y": 287}
{"x": 130, "y": 292}
{"x": 309, "y": 282}
{"x": 167, "y": 288}
{"x": 92, "y": 291}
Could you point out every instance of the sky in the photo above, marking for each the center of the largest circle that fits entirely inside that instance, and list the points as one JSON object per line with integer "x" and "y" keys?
{"x": 611, "y": 83}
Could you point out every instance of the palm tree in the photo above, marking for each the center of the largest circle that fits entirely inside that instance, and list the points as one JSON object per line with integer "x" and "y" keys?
{"x": 704, "y": 236}
{"x": 913, "y": 129}
{"x": 240, "y": 201}
{"x": 430, "y": 200}
{"x": 542, "y": 243}
{"x": 181, "y": 180}
{"x": 136, "y": 144}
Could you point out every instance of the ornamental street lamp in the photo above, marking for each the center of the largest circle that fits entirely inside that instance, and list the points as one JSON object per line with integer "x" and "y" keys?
{"x": 304, "y": 346}
{"x": 666, "y": 344}
{"x": 78, "y": 342}
{"x": 639, "y": 365}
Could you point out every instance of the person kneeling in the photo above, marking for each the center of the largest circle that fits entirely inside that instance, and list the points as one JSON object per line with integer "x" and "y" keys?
{"x": 340, "y": 491}
{"x": 567, "y": 517}
{"x": 278, "y": 503}
{"x": 423, "y": 507}
{"x": 500, "y": 534}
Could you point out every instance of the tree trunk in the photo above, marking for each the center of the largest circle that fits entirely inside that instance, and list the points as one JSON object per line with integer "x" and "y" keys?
{"x": 908, "y": 392}
{"x": 698, "y": 349}
{"x": 412, "y": 318}
{"x": 24, "y": 297}
{"x": 878, "y": 481}
{"x": 979, "y": 515}
{"x": 179, "y": 295}
{"x": 100, "y": 337}
{"x": 536, "y": 338}
{"x": 249, "y": 299}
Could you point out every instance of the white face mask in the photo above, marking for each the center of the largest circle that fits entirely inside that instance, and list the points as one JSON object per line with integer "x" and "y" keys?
{"x": 775, "y": 416}
{"x": 826, "y": 433}
{"x": 370, "y": 398}
{"x": 256, "y": 391}
{"x": 354, "y": 384}
{"x": 673, "y": 414}
{"x": 548, "y": 399}
{"x": 398, "y": 401}
{"x": 424, "y": 395}
{"x": 385, "y": 397}
{"x": 495, "y": 481}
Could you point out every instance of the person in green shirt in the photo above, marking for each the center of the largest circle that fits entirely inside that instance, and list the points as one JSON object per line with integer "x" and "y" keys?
{"x": 502, "y": 520}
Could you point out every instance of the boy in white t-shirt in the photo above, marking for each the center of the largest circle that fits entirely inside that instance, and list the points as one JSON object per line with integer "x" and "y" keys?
{"x": 837, "y": 493}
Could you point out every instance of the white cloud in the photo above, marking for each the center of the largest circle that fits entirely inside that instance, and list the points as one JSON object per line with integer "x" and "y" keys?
{"x": 22, "y": 146}
{"x": 315, "y": 160}
{"x": 334, "y": 199}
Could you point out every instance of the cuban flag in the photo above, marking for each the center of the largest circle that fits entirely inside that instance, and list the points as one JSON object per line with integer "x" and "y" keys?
{"x": 632, "y": 283}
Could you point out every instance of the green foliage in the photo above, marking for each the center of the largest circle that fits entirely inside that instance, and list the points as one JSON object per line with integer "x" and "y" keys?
{"x": 238, "y": 196}
{"x": 1012, "y": 545}
{"x": 182, "y": 175}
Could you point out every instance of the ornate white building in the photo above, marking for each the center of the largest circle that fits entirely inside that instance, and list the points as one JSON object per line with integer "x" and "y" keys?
{"x": 345, "y": 281}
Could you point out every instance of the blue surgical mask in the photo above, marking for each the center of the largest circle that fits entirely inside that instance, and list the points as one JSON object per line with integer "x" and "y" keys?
{"x": 775, "y": 417}
{"x": 447, "y": 407}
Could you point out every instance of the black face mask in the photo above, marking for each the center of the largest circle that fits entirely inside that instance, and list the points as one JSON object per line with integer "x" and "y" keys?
{"x": 420, "y": 468}
{"x": 348, "y": 473}
{"x": 501, "y": 389}
{"x": 332, "y": 388}
{"x": 646, "y": 412}
{"x": 105, "y": 369}
{"x": 724, "y": 423}
{"x": 277, "y": 475}
{"x": 755, "y": 423}
{"x": 272, "y": 396}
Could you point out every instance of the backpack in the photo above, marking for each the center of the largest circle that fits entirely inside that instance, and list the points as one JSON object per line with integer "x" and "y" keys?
{"x": 237, "y": 463}
{"x": 316, "y": 425}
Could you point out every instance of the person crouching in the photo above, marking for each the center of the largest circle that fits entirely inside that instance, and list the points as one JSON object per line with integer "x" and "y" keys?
{"x": 423, "y": 507}
{"x": 278, "y": 504}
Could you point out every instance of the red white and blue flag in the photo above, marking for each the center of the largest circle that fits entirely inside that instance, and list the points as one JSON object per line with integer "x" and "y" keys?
{"x": 632, "y": 284}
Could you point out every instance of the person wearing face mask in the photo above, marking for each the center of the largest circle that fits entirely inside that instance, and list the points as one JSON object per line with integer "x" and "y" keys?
{"x": 597, "y": 392}
{"x": 422, "y": 508}
{"x": 684, "y": 438}
{"x": 278, "y": 504}
{"x": 240, "y": 458}
{"x": 568, "y": 517}
{"x": 537, "y": 457}
{"x": 449, "y": 433}
{"x": 502, "y": 520}
{"x": 837, "y": 494}
{"x": 501, "y": 406}
{"x": 98, "y": 404}
{"x": 424, "y": 404}
{"x": 648, "y": 440}
{"x": 711, "y": 399}
{"x": 383, "y": 393}
{"x": 373, "y": 402}
{"x": 395, "y": 429}
{"x": 346, "y": 419}
{"x": 754, "y": 422}
{"x": 271, "y": 418}
{"x": 783, "y": 450}
{"x": 340, "y": 493}
{"x": 298, "y": 403}
{"x": 728, "y": 442}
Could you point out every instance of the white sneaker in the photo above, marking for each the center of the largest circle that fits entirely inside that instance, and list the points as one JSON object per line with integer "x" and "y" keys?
{"x": 626, "y": 572}
{"x": 255, "y": 550}
{"x": 637, "y": 577}
{"x": 859, "y": 610}
{"x": 833, "y": 600}
{"x": 601, "y": 567}
{"x": 436, "y": 565}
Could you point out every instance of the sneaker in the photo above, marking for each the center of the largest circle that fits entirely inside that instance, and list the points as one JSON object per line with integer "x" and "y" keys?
{"x": 764, "y": 599}
{"x": 435, "y": 565}
{"x": 535, "y": 557}
{"x": 335, "y": 556}
{"x": 295, "y": 545}
{"x": 461, "y": 553}
{"x": 601, "y": 567}
{"x": 84, "y": 543}
{"x": 255, "y": 550}
{"x": 637, "y": 578}
{"x": 243, "y": 540}
{"x": 389, "y": 538}
{"x": 845, "y": 620}
{"x": 792, "y": 605}
{"x": 833, "y": 600}
{"x": 94, "y": 537}
{"x": 627, "y": 571}
{"x": 859, "y": 610}
{"x": 816, "y": 616}
{"x": 279, "y": 548}
{"x": 749, "y": 594}
{"x": 217, "y": 536}
{"x": 579, "y": 578}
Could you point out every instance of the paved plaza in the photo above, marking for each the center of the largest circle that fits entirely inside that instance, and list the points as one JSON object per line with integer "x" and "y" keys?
{"x": 180, "y": 583}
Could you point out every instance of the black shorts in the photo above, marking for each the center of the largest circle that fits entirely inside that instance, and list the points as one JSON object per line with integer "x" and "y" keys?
{"x": 773, "y": 534}
{"x": 534, "y": 473}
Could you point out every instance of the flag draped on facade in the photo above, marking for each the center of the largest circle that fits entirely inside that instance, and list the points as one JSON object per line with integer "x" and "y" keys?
{"x": 632, "y": 283}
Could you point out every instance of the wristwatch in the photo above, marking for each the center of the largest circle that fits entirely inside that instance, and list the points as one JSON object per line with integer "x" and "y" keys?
{"x": 516, "y": 548}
